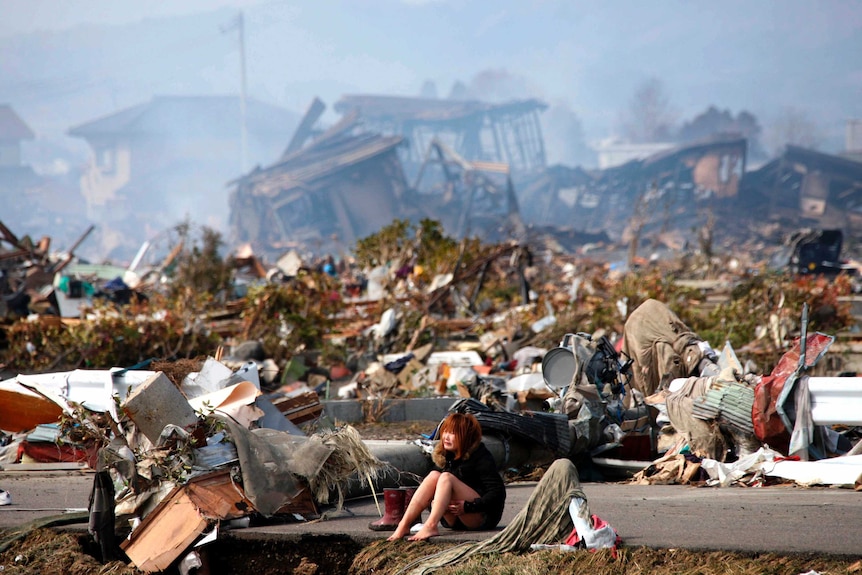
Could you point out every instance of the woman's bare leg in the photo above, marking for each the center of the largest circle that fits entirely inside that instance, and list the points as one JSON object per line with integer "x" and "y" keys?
{"x": 449, "y": 489}
{"x": 421, "y": 499}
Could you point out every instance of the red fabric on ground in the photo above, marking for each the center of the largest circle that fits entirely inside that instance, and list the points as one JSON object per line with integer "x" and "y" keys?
{"x": 47, "y": 452}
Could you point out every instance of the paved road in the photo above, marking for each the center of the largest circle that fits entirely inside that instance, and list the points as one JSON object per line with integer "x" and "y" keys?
{"x": 780, "y": 519}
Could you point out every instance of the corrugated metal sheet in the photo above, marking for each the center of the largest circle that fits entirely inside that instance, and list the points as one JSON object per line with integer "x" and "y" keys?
{"x": 727, "y": 402}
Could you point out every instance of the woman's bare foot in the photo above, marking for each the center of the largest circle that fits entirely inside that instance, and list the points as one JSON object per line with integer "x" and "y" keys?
{"x": 398, "y": 534}
{"x": 425, "y": 534}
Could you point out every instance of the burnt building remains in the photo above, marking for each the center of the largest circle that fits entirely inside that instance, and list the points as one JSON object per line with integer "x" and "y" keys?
{"x": 509, "y": 133}
{"x": 480, "y": 169}
{"x": 387, "y": 158}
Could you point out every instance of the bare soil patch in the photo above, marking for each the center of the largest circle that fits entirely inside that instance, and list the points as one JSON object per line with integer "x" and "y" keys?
{"x": 51, "y": 552}
{"x": 395, "y": 430}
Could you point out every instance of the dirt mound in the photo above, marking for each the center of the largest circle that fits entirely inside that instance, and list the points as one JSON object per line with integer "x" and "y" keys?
{"x": 50, "y": 552}
{"x": 383, "y": 558}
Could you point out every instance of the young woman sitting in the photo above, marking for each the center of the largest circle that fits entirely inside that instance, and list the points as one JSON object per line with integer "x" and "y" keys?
{"x": 465, "y": 492}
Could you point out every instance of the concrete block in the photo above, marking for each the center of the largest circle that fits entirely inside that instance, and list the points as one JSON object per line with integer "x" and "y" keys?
{"x": 343, "y": 410}
{"x": 427, "y": 409}
{"x": 156, "y": 403}
{"x": 394, "y": 409}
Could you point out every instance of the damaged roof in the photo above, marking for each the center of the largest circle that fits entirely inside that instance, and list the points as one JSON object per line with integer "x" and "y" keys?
{"x": 669, "y": 158}
{"x": 838, "y": 165}
{"x": 318, "y": 160}
{"x": 191, "y": 114}
{"x": 12, "y": 127}
{"x": 803, "y": 160}
{"x": 711, "y": 145}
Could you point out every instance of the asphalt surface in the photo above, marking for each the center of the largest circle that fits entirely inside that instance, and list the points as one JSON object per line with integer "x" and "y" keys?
{"x": 780, "y": 519}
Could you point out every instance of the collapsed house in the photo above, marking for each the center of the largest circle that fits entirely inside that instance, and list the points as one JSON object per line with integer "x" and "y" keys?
{"x": 338, "y": 189}
{"x": 663, "y": 197}
{"x": 480, "y": 169}
{"x": 469, "y": 198}
{"x": 808, "y": 187}
{"x": 647, "y": 197}
{"x": 334, "y": 187}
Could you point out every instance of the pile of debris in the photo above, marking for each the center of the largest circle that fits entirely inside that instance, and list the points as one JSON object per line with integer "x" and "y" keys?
{"x": 559, "y": 366}
{"x": 182, "y": 450}
{"x": 28, "y": 271}
{"x": 176, "y": 459}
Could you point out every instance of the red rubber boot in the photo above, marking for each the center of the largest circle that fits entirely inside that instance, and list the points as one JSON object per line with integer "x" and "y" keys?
{"x": 408, "y": 496}
{"x": 393, "y": 511}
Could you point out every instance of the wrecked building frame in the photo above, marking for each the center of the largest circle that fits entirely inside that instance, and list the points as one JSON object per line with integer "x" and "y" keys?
{"x": 823, "y": 190}
{"x": 673, "y": 185}
{"x": 509, "y": 132}
{"x": 350, "y": 181}
{"x": 468, "y": 197}
{"x": 326, "y": 195}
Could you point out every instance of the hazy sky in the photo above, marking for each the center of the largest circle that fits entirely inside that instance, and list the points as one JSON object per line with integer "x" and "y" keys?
{"x": 23, "y": 16}
{"x": 67, "y": 61}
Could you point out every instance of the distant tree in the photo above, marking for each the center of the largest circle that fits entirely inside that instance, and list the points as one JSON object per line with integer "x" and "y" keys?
{"x": 749, "y": 127}
{"x": 459, "y": 91}
{"x": 429, "y": 90}
{"x": 793, "y": 126}
{"x": 705, "y": 124}
{"x": 650, "y": 116}
{"x": 714, "y": 121}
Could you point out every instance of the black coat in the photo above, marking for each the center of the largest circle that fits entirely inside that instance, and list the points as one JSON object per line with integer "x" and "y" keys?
{"x": 479, "y": 471}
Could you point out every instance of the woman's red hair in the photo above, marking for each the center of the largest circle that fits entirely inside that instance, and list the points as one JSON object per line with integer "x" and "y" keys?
{"x": 466, "y": 429}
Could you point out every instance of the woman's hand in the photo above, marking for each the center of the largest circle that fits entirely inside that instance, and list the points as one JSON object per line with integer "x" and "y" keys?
{"x": 456, "y": 507}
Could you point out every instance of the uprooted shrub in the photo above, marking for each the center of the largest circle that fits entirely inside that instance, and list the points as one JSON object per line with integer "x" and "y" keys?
{"x": 113, "y": 336}
{"x": 199, "y": 273}
{"x": 404, "y": 243}
{"x": 292, "y": 317}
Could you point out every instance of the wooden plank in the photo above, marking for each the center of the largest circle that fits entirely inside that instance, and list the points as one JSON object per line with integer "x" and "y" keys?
{"x": 218, "y": 497}
{"x": 303, "y": 131}
{"x": 285, "y": 404}
{"x": 305, "y": 414}
{"x": 299, "y": 408}
{"x": 165, "y": 533}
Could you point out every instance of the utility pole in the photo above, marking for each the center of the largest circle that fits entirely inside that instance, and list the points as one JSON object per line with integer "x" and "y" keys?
{"x": 242, "y": 95}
